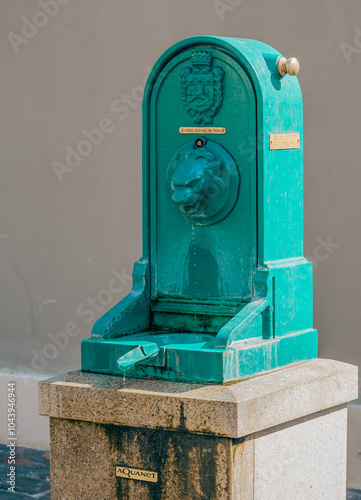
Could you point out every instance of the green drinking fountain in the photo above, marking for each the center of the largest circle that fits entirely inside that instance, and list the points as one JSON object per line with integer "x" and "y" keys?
{"x": 222, "y": 291}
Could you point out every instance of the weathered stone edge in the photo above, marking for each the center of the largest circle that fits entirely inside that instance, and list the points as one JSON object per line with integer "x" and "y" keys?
{"x": 227, "y": 411}
{"x": 298, "y": 401}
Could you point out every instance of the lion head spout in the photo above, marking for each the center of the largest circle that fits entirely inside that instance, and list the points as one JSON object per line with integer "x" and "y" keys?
{"x": 200, "y": 181}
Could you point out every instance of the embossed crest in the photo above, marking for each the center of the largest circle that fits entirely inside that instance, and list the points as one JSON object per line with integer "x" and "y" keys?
{"x": 202, "y": 87}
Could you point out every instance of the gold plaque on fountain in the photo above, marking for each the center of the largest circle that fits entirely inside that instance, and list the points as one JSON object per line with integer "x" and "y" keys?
{"x": 284, "y": 141}
{"x": 202, "y": 130}
{"x": 137, "y": 474}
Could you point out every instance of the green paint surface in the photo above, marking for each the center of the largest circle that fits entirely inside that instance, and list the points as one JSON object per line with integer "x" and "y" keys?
{"x": 222, "y": 291}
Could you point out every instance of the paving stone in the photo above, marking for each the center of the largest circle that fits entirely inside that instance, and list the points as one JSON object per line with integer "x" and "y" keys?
{"x": 32, "y": 473}
{"x": 31, "y": 486}
{"x": 36, "y": 473}
{"x": 8, "y": 495}
{"x": 353, "y": 494}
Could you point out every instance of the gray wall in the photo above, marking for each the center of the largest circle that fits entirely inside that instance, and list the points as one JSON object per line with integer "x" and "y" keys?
{"x": 62, "y": 242}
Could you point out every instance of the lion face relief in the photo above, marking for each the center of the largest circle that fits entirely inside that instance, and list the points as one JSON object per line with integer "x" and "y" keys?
{"x": 200, "y": 180}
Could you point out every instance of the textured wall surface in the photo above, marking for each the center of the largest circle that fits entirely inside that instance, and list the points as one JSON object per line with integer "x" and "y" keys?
{"x": 69, "y": 234}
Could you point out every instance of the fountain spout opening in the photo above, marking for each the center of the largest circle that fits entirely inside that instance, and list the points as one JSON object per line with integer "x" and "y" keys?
{"x": 137, "y": 355}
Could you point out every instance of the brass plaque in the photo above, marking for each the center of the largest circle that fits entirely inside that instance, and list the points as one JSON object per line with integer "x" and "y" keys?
{"x": 284, "y": 141}
{"x": 137, "y": 474}
{"x": 202, "y": 130}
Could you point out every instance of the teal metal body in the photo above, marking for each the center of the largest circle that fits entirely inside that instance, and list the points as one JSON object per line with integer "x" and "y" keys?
{"x": 222, "y": 291}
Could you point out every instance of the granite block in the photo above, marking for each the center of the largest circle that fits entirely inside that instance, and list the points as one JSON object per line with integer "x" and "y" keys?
{"x": 274, "y": 437}
{"x": 84, "y": 457}
{"x": 302, "y": 460}
{"x": 233, "y": 410}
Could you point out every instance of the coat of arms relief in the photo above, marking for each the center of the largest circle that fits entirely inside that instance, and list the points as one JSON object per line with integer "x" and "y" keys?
{"x": 202, "y": 87}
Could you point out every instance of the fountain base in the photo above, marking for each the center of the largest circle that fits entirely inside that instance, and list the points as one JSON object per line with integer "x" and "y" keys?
{"x": 193, "y": 357}
{"x": 274, "y": 437}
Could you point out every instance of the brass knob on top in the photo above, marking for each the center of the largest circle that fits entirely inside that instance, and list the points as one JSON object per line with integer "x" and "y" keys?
{"x": 289, "y": 66}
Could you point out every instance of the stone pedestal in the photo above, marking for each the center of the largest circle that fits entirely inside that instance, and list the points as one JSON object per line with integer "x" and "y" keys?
{"x": 274, "y": 437}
